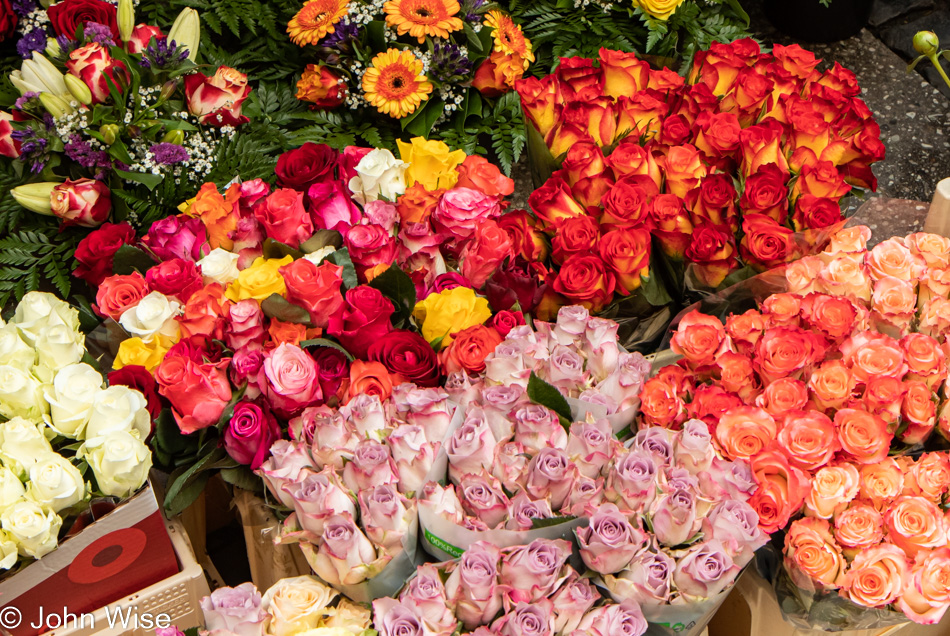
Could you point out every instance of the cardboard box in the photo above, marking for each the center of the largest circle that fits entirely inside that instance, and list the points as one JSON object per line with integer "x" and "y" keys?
{"x": 125, "y": 551}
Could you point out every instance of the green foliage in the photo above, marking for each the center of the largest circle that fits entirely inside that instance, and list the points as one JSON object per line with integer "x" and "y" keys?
{"x": 247, "y": 156}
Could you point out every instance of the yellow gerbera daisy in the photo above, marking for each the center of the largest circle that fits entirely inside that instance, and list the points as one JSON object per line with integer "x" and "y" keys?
{"x": 509, "y": 38}
{"x": 419, "y": 18}
{"x": 394, "y": 84}
{"x": 315, "y": 20}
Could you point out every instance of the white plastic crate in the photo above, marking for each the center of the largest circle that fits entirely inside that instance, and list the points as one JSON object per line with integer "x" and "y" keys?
{"x": 176, "y": 596}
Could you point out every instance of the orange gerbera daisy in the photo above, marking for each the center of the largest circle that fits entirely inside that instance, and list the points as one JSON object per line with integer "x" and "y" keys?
{"x": 394, "y": 84}
{"x": 419, "y": 18}
{"x": 315, "y": 20}
{"x": 509, "y": 38}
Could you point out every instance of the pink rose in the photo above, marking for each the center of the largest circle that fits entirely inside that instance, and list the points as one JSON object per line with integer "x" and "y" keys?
{"x": 632, "y": 480}
{"x": 370, "y": 245}
{"x": 367, "y": 415}
{"x": 284, "y": 465}
{"x": 550, "y": 475}
{"x": 473, "y": 587}
{"x": 510, "y": 465}
{"x": 333, "y": 438}
{"x": 470, "y": 449}
{"x": 704, "y": 571}
{"x": 609, "y": 542}
{"x": 290, "y": 380}
{"x": 522, "y": 512}
{"x": 330, "y": 206}
{"x": 430, "y": 409}
{"x": 198, "y": 392}
{"x": 571, "y": 602}
{"x": 591, "y": 446}
{"x": 177, "y": 237}
{"x": 284, "y": 218}
{"x": 460, "y": 210}
{"x": 381, "y": 213}
{"x": 345, "y": 556}
{"x": 736, "y": 524}
{"x": 217, "y": 100}
{"x": 532, "y": 572}
{"x": 371, "y": 466}
{"x": 538, "y": 427}
{"x": 926, "y": 594}
{"x": 484, "y": 499}
{"x": 693, "y": 448}
{"x": 526, "y": 619}
{"x": 623, "y": 618}
{"x": 585, "y": 497}
{"x": 647, "y": 580}
{"x": 673, "y": 516}
{"x": 412, "y": 454}
{"x": 441, "y": 501}
{"x": 317, "y": 497}
{"x": 9, "y": 147}
{"x": 386, "y": 516}
{"x": 245, "y": 328}
{"x": 234, "y": 611}
{"x": 393, "y": 618}
{"x": 93, "y": 65}
{"x": 426, "y": 593}
{"x": 245, "y": 370}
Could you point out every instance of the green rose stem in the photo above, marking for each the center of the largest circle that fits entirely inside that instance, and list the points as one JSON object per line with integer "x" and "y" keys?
{"x": 928, "y": 45}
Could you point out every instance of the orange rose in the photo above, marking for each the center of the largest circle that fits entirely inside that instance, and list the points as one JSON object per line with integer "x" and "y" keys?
{"x": 808, "y": 439}
{"x": 538, "y": 99}
{"x": 552, "y": 202}
{"x": 315, "y": 288}
{"x": 370, "y": 378}
{"x": 802, "y": 275}
{"x": 850, "y": 240}
{"x": 626, "y": 252}
{"x": 892, "y": 258}
{"x": 745, "y": 330}
{"x": 527, "y": 240}
{"x": 630, "y": 158}
{"x": 881, "y": 483}
{"x": 812, "y": 555}
{"x": 784, "y": 352}
{"x": 697, "y": 338}
{"x": 797, "y": 61}
{"x": 871, "y": 354}
{"x": 845, "y": 275}
{"x": 286, "y": 332}
{"x": 677, "y": 377}
{"x": 925, "y": 359}
{"x": 863, "y": 436}
{"x": 627, "y": 202}
{"x": 943, "y": 420}
{"x": 737, "y": 375}
{"x": 783, "y": 395}
{"x": 469, "y": 348}
{"x": 118, "y": 293}
{"x": 761, "y": 145}
{"x": 578, "y": 235}
{"x": 480, "y": 174}
{"x": 744, "y": 432}
{"x": 672, "y": 227}
{"x": 859, "y": 527}
{"x": 660, "y": 404}
{"x": 926, "y": 595}
{"x": 934, "y": 317}
{"x": 594, "y": 119}
{"x": 932, "y": 248}
{"x": 583, "y": 161}
{"x": 624, "y": 73}
{"x": 832, "y": 488}
{"x": 831, "y": 384}
{"x": 217, "y": 212}
{"x": 876, "y": 576}
{"x": 639, "y": 116}
{"x": 931, "y": 475}
{"x": 781, "y": 310}
{"x": 765, "y": 243}
{"x": 583, "y": 280}
{"x": 708, "y": 404}
{"x": 894, "y": 302}
{"x": 882, "y": 397}
{"x": 716, "y": 68}
{"x": 914, "y": 524}
{"x": 918, "y": 411}
{"x": 205, "y": 313}
{"x": 834, "y": 316}
{"x": 417, "y": 204}
{"x": 820, "y": 179}
{"x": 481, "y": 256}
{"x": 498, "y": 74}
{"x": 748, "y": 96}
{"x": 781, "y": 492}
{"x": 684, "y": 170}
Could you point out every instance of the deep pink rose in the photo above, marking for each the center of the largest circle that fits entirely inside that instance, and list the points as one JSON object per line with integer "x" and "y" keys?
{"x": 330, "y": 206}
{"x": 177, "y": 237}
{"x": 250, "y": 433}
{"x": 176, "y": 277}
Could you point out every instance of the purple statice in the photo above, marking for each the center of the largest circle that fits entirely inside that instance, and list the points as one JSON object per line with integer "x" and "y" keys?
{"x": 25, "y": 101}
{"x": 24, "y": 8}
{"x": 83, "y": 153}
{"x": 163, "y": 55}
{"x": 99, "y": 33}
{"x": 35, "y": 147}
{"x": 66, "y": 44}
{"x": 449, "y": 63}
{"x": 344, "y": 33}
{"x": 167, "y": 154}
{"x": 35, "y": 40}
{"x": 470, "y": 11}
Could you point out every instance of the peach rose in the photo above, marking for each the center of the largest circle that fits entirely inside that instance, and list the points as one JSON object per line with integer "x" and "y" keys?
{"x": 370, "y": 378}
{"x": 745, "y": 330}
{"x": 893, "y": 258}
{"x": 932, "y": 248}
{"x": 834, "y": 316}
{"x": 782, "y": 310}
{"x": 845, "y": 275}
{"x": 918, "y": 411}
{"x": 118, "y": 293}
{"x": 934, "y": 282}
{"x": 859, "y": 527}
{"x": 934, "y": 317}
{"x": 802, "y": 275}
{"x": 743, "y": 432}
{"x": 850, "y": 240}
{"x": 914, "y": 524}
{"x": 882, "y": 397}
{"x": 660, "y": 404}
{"x": 863, "y": 436}
{"x": 927, "y": 590}
{"x": 697, "y": 338}
{"x": 881, "y": 483}
{"x": 785, "y": 352}
{"x": 931, "y": 476}
{"x": 832, "y": 488}
{"x": 737, "y": 375}
{"x": 783, "y": 395}
{"x": 869, "y": 354}
{"x": 943, "y": 420}
{"x": 894, "y": 302}
{"x": 782, "y": 489}
{"x": 808, "y": 439}
{"x": 811, "y": 554}
{"x": 925, "y": 359}
{"x": 709, "y": 402}
{"x": 831, "y": 384}
{"x": 876, "y": 576}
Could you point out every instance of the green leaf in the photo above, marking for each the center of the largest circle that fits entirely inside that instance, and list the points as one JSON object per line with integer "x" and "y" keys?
{"x": 276, "y": 249}
{"x": 131, "y": 259}
{"x": 320, "y": 239}
{"x": 474, "y": 42}
{"x": 396, "y": 285}
{"x": 551, "y": 521}
{"x": 185, "y": 486}
{"x": 276, "y": 306}
{"x": 242, "y": 477}
{"x": 149, "y": 180}
{"x": 653, "y": 290}
{"x": 421, "y": 122}
{"x": 540, "y": 392}
{"x": 342, "y": 258}
{"x": 323, "y": 342}
{"x": 739, "y": 11}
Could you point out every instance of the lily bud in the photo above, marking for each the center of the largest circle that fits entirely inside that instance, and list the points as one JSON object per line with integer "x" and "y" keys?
{"x": 78, "y": 89}
{"x": 176, "y": 137}
{"x": 55, "y": 106}
{"x": 109, "y": 133}
{"x": 52, "y": 47}
{"x": 35, "y": 197}
{"x": 186, "y": 31}
{"x": 168, "y": 89}
{"x": 39, "y": 75}
{"x": 926, "y": 43}
{"x": 125, "y": 16}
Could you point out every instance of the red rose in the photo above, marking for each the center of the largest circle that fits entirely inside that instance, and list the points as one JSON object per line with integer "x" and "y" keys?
{"x": 574, "y": 74}
{"x": 718, "y": 134}
{"x": 332, "y": 369}
{"x": 626, "y": 251}
{"x": 674, "y": 131}
{"x": 505, "y": 321}
{"x": 407, "y": 354}
{"x": 514, "y": 283}
{"x": 748, "y": 96}
{"x": 141, "y": 36}
{"x": 302, "y": 167}
{"x": 575, "y": 236}
{"x": 526, "y": 239}
{"x": 766, "y": 194}
{"x": 482, "y": 255}
{"x": 713, "y": 250}
{"x": 584, "y": 280}
{"x": 630, "y": 158}
{"x": 814, "y": 213}
{"x": 363, "y": 320}
{"x": 8, "y": 19}
{"x": 766, "y": 244}
{"x": 552, "y": 202}
{"x": 714, "y": 201}
{"x": 627, "y": 203}
{"x": 198, "y": 392}
{"x": 671, "y": 223}
{"x": 582, "y": 161}
{"x": 284, "y": 217}
{"x": 96, "y": 251}
{"x": 138, "y": 378}
{"x": 177, "y": 277}
{"x": 217, "y": 100}
{"x": 68, "y": 15}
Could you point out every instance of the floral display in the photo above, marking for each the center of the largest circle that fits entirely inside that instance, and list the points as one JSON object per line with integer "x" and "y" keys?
{"x": 64, "y": 437}
{"x": 527, "y": 589}
{"x": 436, "y": 67}
{"x": 721, "y": 170}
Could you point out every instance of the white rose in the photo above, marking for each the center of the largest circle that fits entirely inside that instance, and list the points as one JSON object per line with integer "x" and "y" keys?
{"x": 21, "y": 394}
{"x": 379, "y": 174}
{"x": 296, "y": 605}
{"x": 57, "y": 346}
{"x": 317, "y": 257}
{"x": 153, "y": 314}
{"x": 11, "y": 489}
{"x": 219, "y": 266}
{"x": 119, "y": 460}
{"x": 119, "y": 408}
{"x": 8, "y": 551}
{"x": 33, "y": 528}
{"x": 22, "y": 444}
{"x": 13, "y": 350}
{"x": 70, "y": 398}
{"x": 349, "y": 616}
{"x": 38, "y": 310}
{"x": 56, "y": 483}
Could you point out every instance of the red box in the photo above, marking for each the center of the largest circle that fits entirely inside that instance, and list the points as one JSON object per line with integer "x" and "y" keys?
{"x": 123, "y": 552}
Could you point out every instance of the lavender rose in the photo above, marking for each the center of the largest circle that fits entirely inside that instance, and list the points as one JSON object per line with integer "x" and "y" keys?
{"x": 532, "y": 572}
{"x": 386, "y": 516}
{"x": 523, "y": 511}
{"x": 426, "y": 593}
{"x": 551, "y": 474}
{"x": 624, "y": 619}
{"x": 704, "y": 571}
{"x": 609, "y": 543}
{"x": 236, "y": 610}
{"x": 484, "y": 499}
{"x": 527, "y": 619}
{"x": 632, "y": 480}
{"x": 575, "y": 597}
{"x": 647, "y": 580}
{"x": 473, "y": 585}
{"x": 371, "y": 466}
{"x": 346, "y": 556}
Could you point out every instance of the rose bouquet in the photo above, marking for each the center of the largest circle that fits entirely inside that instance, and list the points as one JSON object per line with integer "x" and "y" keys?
{"x": 525, "y": 590}
{"x": 517, "y": 467}
{"x": 718, "y": 172}
{"x": 430, "y": 68}
{"x": 875, "y": 535}
{"x": 350, "y": 476}
{"x": 64, "y": 439}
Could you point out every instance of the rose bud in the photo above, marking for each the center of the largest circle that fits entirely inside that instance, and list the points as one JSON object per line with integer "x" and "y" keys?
{"x": 647, "y": 580}
{"x": 591, "y": 446}
{"x": 371, "y": 466}
{"x": 93, "y": 65}
{"x": 318, "y": 496}
{"x": 674, "y": 517}
{"x": 386, "y": 515}
{"x": 522, "y": 512}
{"x": 84, "y": 202}
{"x": 471, "y": 448}
{"x": 609, "y": 542}
{"x": 333, "y": 439}
{"x": 250, "y": 433}
{"x": 412, "y": 454}
{"x": 704, "y": 571}
{"x": 367, "y": 415}
{"x": 619, "y": 618}
{"x": 550, "y": 475}
{"x": 217, "y": 100}
{"x": 736, "y": 524}
{"x": 571, "y": 602}
{"x": 532, "y": 572}
{"x": 538, "y": 427}
{"x": 441, "y": 501}
{"x": 346, "y": 556}
{"x": 285, "y": 463}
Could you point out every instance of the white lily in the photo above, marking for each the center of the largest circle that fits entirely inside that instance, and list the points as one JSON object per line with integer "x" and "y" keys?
{"x": 39, "y": 75}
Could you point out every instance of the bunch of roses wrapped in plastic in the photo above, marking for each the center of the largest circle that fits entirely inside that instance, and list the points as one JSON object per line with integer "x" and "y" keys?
{"x": 722, "y": 169}
{"x": 816, "y": 389}
{"x": 59, "y": 421}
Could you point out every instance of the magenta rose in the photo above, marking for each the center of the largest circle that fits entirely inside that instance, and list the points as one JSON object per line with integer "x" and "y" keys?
{"x": 449, "y": 280}
{"x": 176, "y": 277}
{"x": 290, "y": 381}
{"x": 332, "y": 368}
{"x": 250, "y": 433}
{"x": 246, "y": 368}
{"x": 330, "y": 206}
{"x": 363, "y": 320}
{"x": 461, "y": 210}
{"x": 369, "y": 246}
{"x": 177, "y": 237}
{"x": 284, "y": 217}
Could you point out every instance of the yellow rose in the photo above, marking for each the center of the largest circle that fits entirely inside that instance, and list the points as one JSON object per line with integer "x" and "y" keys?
{"x": 431, "y": 163}
{"x": 659, "y": 9}
{"x": 449, "y": 312}
{"x": 135, "y": 351}
{"x": 260, "y": 280}
{"x": 185, "y": 206}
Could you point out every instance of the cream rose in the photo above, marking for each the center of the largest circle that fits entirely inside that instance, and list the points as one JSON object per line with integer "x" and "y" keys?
{"x": 832, "y": 488}
{"x": 119, "y": 460}
{"x": 317, "y": 257}
{"x": 57, "y": 346}
{"x": 296, "y": 605}
{"x": 378, "y": 174}
{"x": 219, "y": 266}
{"x": 32, "y": 527}
{"x": 348, "y": 616}
{"x": 55, "y": 483}
{"x": 39, "y": 310}
{"x": 119, "y": 408}
{"x": 13, "y": 350}
{"x": 21, "y": 394}
{"x": 154, "y": 314}
{"x": 71, "y": 397}
{"x": 11, "y": 488}
{"x": 21, "y": 444}
{"x": 8, "y": 551}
